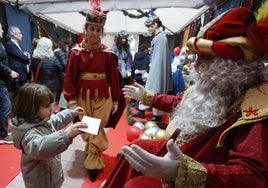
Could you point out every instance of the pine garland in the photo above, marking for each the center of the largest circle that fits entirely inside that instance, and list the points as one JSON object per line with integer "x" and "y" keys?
{"x": 129, "y": 116}
{"x": 141, "y": 15}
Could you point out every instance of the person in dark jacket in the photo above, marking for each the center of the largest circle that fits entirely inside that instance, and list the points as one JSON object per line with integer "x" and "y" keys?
{"x": 61, "y": 52}
{"x": 6, "y": 75}
{"x": 140, "y": 67}
{"x": 50, "y": 71}
{"x": 18, "y": 59}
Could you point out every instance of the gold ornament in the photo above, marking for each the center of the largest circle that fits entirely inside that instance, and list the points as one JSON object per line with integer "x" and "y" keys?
{"x": 149, "y": 124}
{"x": 161, "y": 134}
{"x": 145, "y": 136}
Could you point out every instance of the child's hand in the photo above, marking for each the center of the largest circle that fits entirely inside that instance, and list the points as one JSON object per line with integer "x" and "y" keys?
{"x": 73, "y": 130}
{"x": 79, "y": 111}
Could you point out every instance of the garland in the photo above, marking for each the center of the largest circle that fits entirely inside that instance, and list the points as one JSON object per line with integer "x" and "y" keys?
{"x": 129, "y": 116}
{"x": 141, "y": 15}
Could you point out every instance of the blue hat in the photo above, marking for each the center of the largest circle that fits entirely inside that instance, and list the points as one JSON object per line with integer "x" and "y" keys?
{"x": 123, "y": 33}
{"x": 151, "y": 20}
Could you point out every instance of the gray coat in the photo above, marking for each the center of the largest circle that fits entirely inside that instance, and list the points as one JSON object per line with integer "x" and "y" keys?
{"x": 160, "y": 75}
{"x": 41, "y": 144}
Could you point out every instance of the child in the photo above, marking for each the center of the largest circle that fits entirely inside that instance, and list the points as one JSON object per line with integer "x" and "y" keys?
{"x": 37, "y": 132}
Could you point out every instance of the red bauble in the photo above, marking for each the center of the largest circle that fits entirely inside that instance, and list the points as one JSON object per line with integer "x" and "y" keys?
{"x": 133, "y": 133}
{"x": 177, "y": 51}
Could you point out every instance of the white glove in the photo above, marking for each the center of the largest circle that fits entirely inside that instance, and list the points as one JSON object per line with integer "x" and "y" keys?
{"x": 145, "y": 76}
{"x": 128, "y": 74}
{"x": 151, "y": 165}
{"x": 133, "y": 92}
{"x": 115, "y": 108}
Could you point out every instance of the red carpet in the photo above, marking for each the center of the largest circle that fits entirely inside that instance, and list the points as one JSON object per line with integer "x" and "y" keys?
{"x": 117, "y": 138}
{"x": 10, "y": 156}
{"x": 10, "y": 163}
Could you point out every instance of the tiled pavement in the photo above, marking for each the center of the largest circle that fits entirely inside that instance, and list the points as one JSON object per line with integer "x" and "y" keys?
{"x": 73, "y": 167}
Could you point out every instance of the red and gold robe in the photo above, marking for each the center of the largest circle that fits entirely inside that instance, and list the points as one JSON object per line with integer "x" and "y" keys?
{"x": 92, "y": 81}
{"x": 232, "y": 155}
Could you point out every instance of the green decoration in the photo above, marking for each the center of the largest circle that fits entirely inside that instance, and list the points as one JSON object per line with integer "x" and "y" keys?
{"x": 129, "y": 117}
{"x": 140, "y": 15}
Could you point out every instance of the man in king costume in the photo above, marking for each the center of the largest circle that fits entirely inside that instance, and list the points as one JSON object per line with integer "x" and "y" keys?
{"x": 219, "y": 125}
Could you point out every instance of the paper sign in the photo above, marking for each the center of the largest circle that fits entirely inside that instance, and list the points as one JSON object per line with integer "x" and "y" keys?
{"x": 92, "y": 123}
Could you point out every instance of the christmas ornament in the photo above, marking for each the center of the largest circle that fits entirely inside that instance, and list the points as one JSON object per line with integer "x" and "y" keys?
{"x": 133, "y": 133}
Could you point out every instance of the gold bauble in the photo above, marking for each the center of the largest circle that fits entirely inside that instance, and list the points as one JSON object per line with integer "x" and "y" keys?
{"x": 161, "y": 134}
{"x": 145, "y": 136}
{"x": 149, "y": 124}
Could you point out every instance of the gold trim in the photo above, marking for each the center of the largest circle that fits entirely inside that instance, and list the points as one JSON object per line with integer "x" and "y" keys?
{"x": 70, "y": 102}
{"x": 190, "y": 45}
{"x": 255, "y": 100}
{"x": 205, "y": 46}
{"x": 91, "y": 47}
{"x": 190, "y": 174}
{"x": 147, "y": 98}
{"x": 92, "y": 76}
{"x": 243, "y": 44}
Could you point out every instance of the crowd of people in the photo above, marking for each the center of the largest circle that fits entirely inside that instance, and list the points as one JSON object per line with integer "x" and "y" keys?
{"x": 217, "y": 122}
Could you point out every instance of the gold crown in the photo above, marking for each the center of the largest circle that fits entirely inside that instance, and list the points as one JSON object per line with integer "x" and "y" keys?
{"x": 96, "y": 17}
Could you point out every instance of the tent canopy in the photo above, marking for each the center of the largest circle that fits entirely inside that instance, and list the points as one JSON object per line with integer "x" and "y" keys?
{"x": 56, "y": 6}
{"x": 67, "y": 14}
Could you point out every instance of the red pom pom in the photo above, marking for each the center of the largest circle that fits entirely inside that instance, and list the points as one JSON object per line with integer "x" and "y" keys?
{"x": 133, "y": 133}
{"x": 177, "y": 51}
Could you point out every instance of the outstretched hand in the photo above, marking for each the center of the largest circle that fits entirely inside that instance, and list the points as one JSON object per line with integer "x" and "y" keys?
{"x": 151, "y": 165}
{"x": 133, "y": 92}
{"x": 74, "y": 129}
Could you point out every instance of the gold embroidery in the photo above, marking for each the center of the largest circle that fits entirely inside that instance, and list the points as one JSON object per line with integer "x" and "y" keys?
{"x": 191, "y": 174}
{"x": 147, "y": 98}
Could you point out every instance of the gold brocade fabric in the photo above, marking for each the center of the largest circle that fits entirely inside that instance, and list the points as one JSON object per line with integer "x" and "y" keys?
{"x": 147, "y": 98}
{"x": 184, "y": 138}
{"x": 254, "y": 108}
{"x": 191, "y": 174}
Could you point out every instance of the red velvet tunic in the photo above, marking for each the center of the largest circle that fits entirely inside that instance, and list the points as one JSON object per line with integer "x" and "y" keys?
{"x": 79, "y": 61}
{"x": 242, "y": 162}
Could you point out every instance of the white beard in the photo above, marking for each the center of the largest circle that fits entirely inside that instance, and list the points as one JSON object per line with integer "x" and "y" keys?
{"x": 200, "y": 111}
{"x": 216, "y": 87}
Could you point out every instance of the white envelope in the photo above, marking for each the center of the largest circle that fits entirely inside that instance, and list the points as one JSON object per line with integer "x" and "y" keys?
{"x": 92, "y": 123}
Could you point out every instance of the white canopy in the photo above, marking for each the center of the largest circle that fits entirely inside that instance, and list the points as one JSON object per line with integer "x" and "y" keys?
{"x": 174, "y": 14}
{"x": 174, "y": 19}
